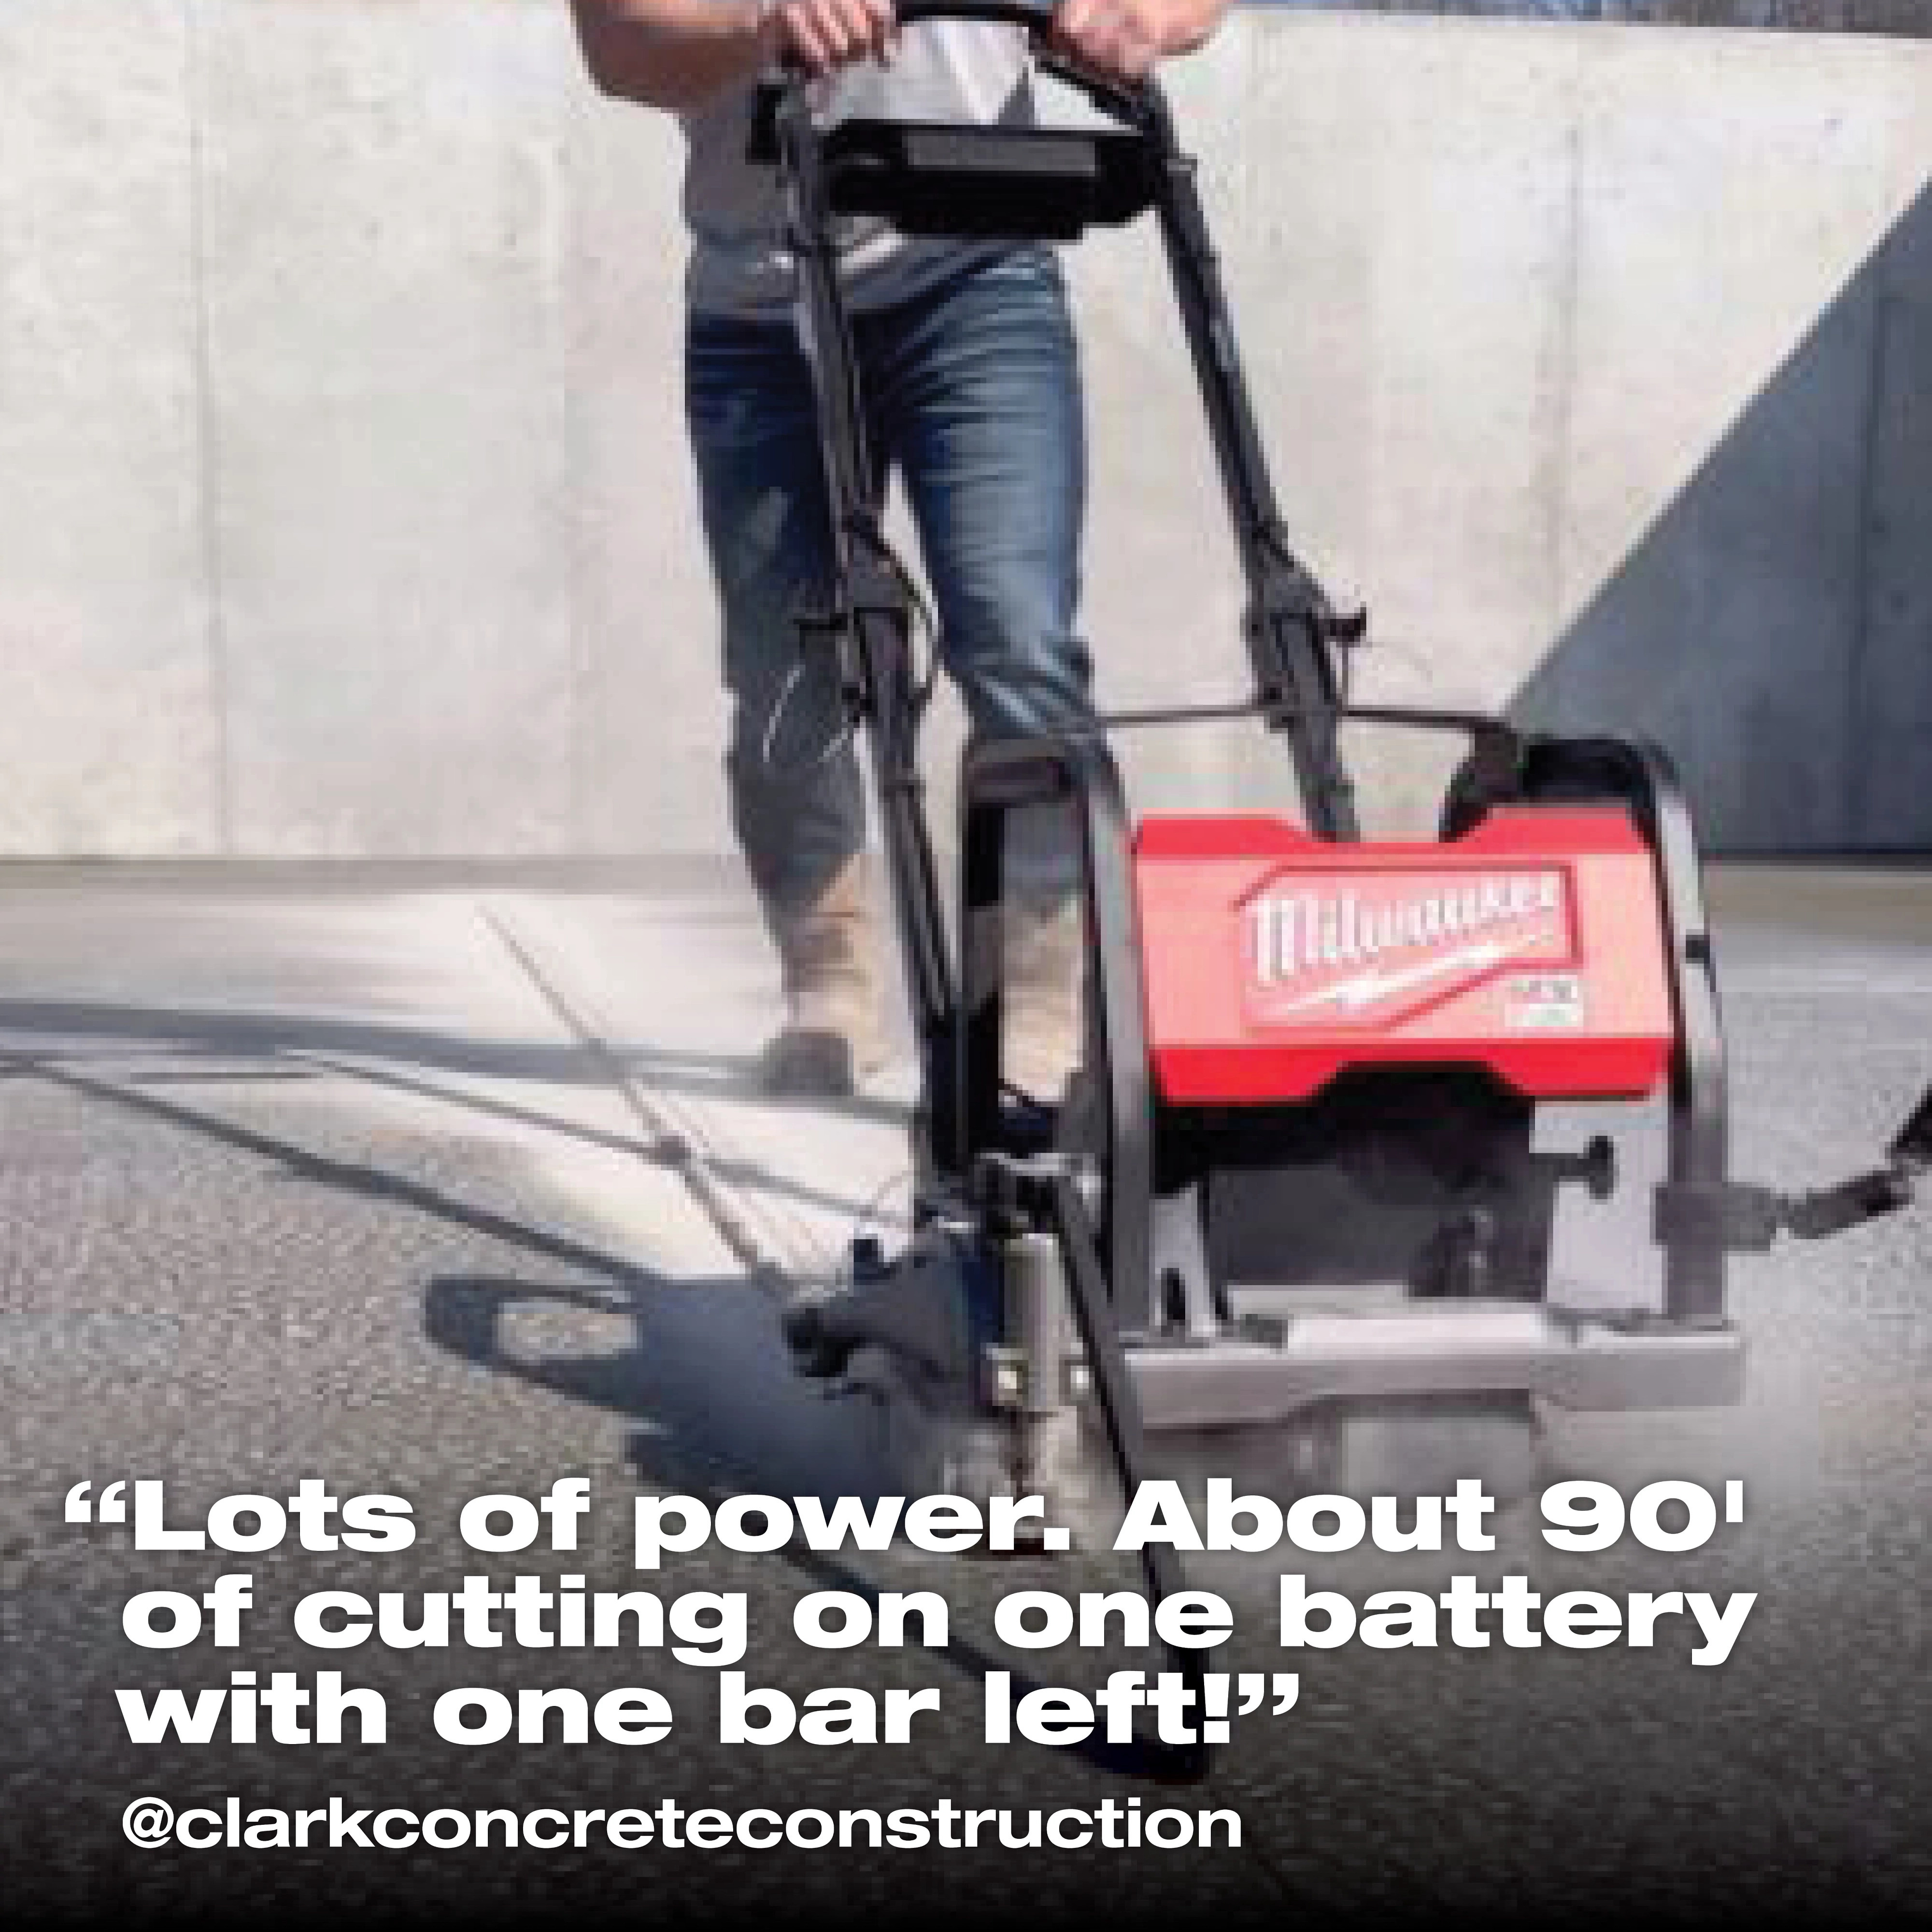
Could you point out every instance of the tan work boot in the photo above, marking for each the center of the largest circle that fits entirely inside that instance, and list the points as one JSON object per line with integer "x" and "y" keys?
{"x": 832, "y": 1039}
{"x": 1043, "y": 980}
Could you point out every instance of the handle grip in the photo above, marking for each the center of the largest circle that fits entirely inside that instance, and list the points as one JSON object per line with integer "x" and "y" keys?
{"x": 1122, "y": 101}
{"x": 1036, "y": 15}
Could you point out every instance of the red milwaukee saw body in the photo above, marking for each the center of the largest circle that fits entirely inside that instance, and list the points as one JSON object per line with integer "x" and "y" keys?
{"x": 1276, "y": 961}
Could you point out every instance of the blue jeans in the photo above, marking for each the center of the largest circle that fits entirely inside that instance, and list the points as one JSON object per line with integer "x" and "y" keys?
{"x": 972, "y": 396}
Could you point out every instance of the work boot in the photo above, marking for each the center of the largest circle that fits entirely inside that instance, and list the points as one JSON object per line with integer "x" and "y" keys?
{"x": 1043, "y": 984}
{"x": 832, "y": 1039}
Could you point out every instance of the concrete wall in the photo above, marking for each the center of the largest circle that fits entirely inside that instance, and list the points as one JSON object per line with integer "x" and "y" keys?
{"x": 344, "y": 507}
{"x": 1858, "y": 17}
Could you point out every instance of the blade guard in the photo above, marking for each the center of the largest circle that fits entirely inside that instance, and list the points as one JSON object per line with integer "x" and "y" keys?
{"x": 1274, "y": 961}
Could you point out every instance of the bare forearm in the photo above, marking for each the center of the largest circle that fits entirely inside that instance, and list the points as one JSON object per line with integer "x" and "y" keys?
{"x": 1127, "y": 39}
{"x": 1193, "y": 23}
{"x": 671, "y": 54}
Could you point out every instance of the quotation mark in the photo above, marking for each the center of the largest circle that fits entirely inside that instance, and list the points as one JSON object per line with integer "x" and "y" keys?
{"x": 113, "y": 1507}
{"x": 1252, "y": 1688}
{"x": 149, "y": 1821}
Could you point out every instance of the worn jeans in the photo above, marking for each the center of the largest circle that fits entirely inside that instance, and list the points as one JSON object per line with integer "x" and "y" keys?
{"x": 972, "y": 396}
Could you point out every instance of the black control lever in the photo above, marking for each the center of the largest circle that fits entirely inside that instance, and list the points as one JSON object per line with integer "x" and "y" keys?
{"x": 761, "y": 143}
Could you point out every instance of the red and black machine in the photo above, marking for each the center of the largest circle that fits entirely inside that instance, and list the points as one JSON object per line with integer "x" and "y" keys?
{"x": 1264, "y": 999}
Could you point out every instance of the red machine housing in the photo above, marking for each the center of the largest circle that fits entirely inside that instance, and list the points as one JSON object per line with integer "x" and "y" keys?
{"x": 1273, "y": 961}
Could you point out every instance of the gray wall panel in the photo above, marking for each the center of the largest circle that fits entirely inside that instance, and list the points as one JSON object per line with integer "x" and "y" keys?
{"x": 345, "y": 508}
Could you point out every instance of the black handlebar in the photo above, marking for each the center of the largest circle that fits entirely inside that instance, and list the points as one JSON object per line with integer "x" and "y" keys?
{"x": 1120, "y": 100}
{"x": 1035, "y": 14}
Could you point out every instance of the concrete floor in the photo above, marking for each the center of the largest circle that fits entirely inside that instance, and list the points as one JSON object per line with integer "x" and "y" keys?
{"x": 444, "y": 1185}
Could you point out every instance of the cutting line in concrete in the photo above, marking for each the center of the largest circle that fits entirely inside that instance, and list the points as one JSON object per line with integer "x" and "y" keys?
{"x": 776, "y": 1251}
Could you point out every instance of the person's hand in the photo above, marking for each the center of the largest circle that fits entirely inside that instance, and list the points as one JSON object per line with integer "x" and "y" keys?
{"x": 823, "y": 35}
{"x": 1120, "y": 40}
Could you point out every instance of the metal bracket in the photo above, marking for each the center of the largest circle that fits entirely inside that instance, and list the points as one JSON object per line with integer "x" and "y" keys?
{"x": 1747, "y": 1219}
{"x": 1732, "y": 1216}
{"x": 1015, "y": 1191}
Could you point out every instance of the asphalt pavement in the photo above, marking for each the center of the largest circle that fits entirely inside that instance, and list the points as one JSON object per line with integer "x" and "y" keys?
{"x": 438, "y": 1186}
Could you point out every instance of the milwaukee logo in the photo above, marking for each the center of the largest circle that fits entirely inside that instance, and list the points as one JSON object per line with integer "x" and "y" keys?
{"x": 1294, "y": 936}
